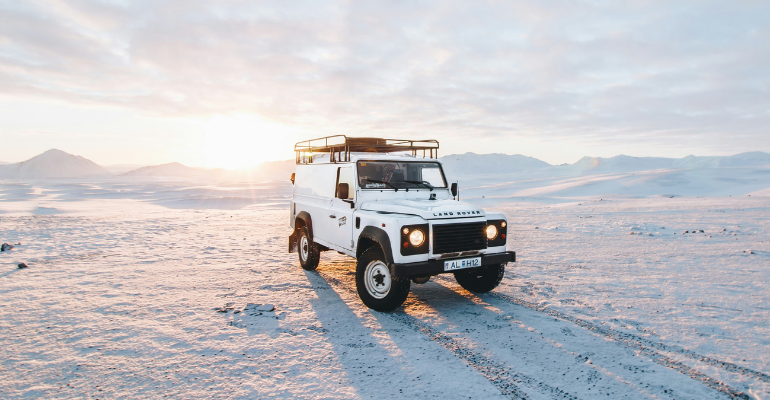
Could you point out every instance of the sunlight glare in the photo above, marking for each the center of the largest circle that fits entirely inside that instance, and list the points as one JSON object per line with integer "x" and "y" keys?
{"x": 244, "y": 141}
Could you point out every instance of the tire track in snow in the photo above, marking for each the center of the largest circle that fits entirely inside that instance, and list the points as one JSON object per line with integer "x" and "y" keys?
{"x": 500, "y": 375}
{"x": 647, "y": 347}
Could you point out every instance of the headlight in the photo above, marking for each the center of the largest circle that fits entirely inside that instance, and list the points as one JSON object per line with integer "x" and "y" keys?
{"x": 491, "y": 232}
{"x": 417, "y": 238}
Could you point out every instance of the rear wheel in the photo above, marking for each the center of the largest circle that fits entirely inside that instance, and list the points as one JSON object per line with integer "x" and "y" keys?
{"x": 308, "y": 251}
{"x": 377, "y": 288}
{"x": 481, "y": 279}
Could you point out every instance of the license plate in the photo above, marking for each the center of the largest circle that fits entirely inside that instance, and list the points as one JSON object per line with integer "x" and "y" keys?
{"x": 452, "y": 265}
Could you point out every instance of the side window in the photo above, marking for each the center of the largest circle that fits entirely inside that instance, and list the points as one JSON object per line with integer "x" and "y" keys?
{"x": 345, "y": 175}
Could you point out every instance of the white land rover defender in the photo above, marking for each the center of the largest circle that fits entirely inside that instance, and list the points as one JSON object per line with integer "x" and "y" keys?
{"x": 382, "y": 202}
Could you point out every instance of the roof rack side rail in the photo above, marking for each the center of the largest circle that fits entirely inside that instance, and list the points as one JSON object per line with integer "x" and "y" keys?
{"x": 339, "y": 147}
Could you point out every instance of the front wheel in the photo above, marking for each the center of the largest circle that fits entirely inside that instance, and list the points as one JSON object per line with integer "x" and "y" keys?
{"x": 309, "y": 254}
{"x": 481, "y": 279}
{"x": 377, "y": 288}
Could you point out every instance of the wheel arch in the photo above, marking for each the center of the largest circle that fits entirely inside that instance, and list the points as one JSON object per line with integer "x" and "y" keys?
{"x": 373, "y": 236}
{"x": 302, "y": 219}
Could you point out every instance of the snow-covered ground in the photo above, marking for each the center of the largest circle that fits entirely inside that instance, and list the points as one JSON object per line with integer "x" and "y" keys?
{"x": 145, "y": 288}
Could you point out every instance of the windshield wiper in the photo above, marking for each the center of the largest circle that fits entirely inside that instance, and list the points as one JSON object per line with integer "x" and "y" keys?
{"x": 427, "y": 185}
{"x": 383, "y": 182}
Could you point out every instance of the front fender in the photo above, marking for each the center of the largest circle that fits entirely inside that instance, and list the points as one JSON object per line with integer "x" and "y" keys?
{"x": 380, "y": 237}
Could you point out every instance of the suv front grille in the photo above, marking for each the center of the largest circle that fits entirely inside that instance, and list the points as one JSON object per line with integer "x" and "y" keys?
{"x": 450, "y": 238}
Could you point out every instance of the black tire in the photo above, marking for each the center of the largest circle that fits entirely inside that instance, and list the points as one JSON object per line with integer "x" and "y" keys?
{"x": 481, "y": 279}
{"x": 372, "y": 278}
{"x": 309, "y": 254}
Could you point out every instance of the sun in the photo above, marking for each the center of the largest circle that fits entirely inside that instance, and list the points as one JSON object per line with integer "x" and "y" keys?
{"x": 243, "y": 141}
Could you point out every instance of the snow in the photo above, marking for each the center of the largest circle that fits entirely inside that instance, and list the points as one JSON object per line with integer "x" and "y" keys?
{"x": 144, "y": 287}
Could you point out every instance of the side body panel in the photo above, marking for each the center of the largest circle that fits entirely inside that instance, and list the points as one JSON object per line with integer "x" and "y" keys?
{"x": 313, "y": 192}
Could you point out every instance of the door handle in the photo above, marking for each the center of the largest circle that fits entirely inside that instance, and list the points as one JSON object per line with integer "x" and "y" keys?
{"x": 332, "y": 216}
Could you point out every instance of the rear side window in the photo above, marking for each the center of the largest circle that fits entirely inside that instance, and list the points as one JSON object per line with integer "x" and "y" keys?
{"x": 316, "y": 180}
{"x": 345, "y": 175}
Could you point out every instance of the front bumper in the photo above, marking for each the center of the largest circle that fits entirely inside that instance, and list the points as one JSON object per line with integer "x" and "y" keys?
{"x": 435, "y": 267}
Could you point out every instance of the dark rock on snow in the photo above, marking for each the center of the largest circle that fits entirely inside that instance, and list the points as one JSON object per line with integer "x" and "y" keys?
{"x": 23, "y": 265}
{"x": 6, "y": 247}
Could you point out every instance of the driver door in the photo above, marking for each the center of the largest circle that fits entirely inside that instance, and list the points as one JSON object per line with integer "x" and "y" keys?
{"x": 341, "y": 229}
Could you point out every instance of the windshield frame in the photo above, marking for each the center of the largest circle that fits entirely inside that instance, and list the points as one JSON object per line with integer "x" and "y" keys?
{"x": 388, "y": 186}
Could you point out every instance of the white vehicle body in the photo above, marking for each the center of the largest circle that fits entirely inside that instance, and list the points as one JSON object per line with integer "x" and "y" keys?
{"x": 385, "y": 213}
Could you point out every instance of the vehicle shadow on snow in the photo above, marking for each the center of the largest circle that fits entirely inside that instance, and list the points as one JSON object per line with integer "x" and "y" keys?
{"x": 382, "y": 357}
{"x": 354, "y": 346}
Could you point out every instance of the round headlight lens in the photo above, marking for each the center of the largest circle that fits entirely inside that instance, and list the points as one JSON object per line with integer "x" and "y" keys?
{"x": 417, "y": 238}
{"x": 491, "y": 232}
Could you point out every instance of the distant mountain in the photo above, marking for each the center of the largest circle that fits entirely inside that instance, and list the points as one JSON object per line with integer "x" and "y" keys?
{"x": 750, "y": 159}
{"x": 473, "y": 164}
{"x": 53, "y": 164}
{"x": 623, "y": 163}
{"x": 123, "y": 168}
{"x": 272, "y": 171}
{"x": 176, "y": 169}
{"x": 268, "y": 171}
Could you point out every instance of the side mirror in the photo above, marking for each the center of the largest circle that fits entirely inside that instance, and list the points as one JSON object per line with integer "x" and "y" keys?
{"x": 342, "y": 191}
{"x": 454, "y": 189}
{"x": 292, "y": 178}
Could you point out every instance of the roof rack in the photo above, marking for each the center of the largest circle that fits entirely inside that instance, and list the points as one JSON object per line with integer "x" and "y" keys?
{"x": 339, "y": 147}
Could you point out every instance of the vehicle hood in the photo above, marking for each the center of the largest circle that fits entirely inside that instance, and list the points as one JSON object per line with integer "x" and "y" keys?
{"x": 427, "y": 209}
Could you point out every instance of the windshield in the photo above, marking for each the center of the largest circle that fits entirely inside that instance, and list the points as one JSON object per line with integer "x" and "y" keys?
{"x": 400, "y": 175}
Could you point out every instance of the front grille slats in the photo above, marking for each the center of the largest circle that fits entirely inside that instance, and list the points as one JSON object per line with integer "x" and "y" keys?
{"x": 450, "y": 238}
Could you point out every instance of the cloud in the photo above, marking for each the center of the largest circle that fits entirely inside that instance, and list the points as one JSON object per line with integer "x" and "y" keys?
{"x": 650, "y": 73}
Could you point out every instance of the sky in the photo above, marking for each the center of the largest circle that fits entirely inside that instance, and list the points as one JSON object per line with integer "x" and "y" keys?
{"x": 235, "y": 83}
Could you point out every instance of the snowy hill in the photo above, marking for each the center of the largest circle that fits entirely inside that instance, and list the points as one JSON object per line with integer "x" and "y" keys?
{"x": 176, "y": 169}
{"x": 53, "y": 164}
{"x": 504, "y": 164}
{"x": 271, "y": 171}
{"x": 472, "y": 163}
{"x": 623, "y": 163}
{"x": 268, "y": 171}
{"x": 120, "y": 169}
{"x": 484, "y": 176}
